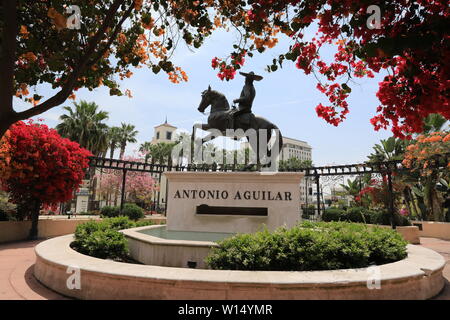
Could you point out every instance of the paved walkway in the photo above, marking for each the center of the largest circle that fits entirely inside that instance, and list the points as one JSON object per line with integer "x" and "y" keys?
{"x": 16, "y": 274}
{"x": 443, "y": 248}
{"x": 18, "y": 283}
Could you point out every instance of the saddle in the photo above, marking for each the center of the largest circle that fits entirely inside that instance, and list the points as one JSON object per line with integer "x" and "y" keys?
{"x": 240, "y": 121}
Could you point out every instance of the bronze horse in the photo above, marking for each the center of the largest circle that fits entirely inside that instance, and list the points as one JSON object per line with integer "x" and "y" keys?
{"x": 221, "y": 118}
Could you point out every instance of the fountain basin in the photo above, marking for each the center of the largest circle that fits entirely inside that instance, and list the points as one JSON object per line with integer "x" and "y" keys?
{"x": 419, "y": 276}
{"x": 155, "y": 245}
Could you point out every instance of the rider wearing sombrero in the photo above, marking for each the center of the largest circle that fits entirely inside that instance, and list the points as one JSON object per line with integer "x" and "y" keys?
{"x": 248, "y": 93}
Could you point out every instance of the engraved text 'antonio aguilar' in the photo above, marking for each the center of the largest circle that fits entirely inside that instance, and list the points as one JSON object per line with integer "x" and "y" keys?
{"x": 261, "y": 195}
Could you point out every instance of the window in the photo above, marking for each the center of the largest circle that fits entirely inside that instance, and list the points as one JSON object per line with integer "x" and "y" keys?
{"x": 157, "y": 135}
{"x": 169, "y": 135}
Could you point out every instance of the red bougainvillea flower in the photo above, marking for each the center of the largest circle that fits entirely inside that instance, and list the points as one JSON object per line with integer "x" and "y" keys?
{"x": 41, "y": 164}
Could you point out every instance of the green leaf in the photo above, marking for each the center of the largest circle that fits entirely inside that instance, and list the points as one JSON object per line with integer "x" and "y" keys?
{"x": 156, "y": 69}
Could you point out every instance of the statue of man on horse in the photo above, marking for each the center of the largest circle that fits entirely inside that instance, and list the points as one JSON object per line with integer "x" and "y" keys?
{"x": 225, "y": 120}
{"x": 244, "y": 113}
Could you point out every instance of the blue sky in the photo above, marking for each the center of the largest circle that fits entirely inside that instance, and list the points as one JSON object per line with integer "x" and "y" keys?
{"x": 286, "y": 97}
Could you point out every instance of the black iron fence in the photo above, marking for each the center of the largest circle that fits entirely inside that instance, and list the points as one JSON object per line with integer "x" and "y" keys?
{"x": 318, "y": 177}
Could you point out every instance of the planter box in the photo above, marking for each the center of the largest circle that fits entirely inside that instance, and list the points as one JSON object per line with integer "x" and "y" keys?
{"x": 410, "y": 234}
{"x": 433, "y": 229}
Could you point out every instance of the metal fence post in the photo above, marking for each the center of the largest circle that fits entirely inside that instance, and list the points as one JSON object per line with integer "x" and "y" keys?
{"x": 391, "y": 199}
{"x": 122, "y": 197}
{"x": 318, "y": 193}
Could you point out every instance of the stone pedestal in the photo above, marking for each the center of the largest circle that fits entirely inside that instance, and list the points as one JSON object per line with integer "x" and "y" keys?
{"x": 235, "y": 202}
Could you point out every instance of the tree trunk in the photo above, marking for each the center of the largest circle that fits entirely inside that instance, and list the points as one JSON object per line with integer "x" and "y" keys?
{"x": 34, "y": 220}
{"x": 408, "y": 200}
{"x": 92, "y": 187}
{"x": 122, "y": 150}
{"x": 22, "y": 211}
{"x": 437, "y": 205}
{"x": 7, "y": 62}
{"x": 4, "y": 126}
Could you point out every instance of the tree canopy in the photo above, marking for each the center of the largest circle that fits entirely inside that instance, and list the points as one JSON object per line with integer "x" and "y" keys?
{"x": 39, "y": 46}
{"x": 85, "y": 125}
{"x": 407, "y": 39}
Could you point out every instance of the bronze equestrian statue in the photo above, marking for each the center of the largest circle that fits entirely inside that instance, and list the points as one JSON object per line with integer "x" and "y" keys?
{"x": 222, "y": 117}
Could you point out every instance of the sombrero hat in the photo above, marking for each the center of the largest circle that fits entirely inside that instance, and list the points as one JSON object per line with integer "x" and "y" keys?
{"x": 251, "y": 75}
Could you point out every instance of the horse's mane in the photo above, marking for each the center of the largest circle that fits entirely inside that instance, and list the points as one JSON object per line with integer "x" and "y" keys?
{"x": 218, "y": 94}
{"x": 222, "y": 102}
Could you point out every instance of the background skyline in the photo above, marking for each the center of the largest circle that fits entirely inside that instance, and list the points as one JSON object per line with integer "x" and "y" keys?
{"x": 286, "y": 97}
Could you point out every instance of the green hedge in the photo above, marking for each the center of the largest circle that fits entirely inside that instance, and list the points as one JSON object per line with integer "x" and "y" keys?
{"x": 130, "y": 210}
{"x": 309, "y": 246}
{"x": 334, "y": 214}
{"x": 133, "y": 211}
{"x": 110, "y": 211}
{"x": 363, "y": 215}
{"x": 101, "y": 239}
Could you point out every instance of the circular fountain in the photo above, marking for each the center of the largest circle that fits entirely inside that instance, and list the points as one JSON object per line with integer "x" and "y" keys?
{"x": 172, "y": 256}
{"x": 155, "y": 245}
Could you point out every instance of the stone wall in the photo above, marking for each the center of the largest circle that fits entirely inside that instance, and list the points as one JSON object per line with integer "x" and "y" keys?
{"x": 433, "y": 229}
{"x": 419, "y": 276}
{"x": 47, "y": 228}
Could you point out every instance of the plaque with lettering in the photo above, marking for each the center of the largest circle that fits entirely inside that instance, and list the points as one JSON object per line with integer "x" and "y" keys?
{"x": 233, "y": 211}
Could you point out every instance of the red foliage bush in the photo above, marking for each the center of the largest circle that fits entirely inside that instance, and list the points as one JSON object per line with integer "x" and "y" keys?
{"x": 40, "y": 164}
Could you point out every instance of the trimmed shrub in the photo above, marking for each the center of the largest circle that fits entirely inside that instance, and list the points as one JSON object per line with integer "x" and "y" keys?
{"x": 110, "y": 211}
{"x": 119, "y": 223}
{"x": 309, "y": 246}
{"x": 104, "y": 244}
{"x": 386, "y": 245}
{"x": 363, "y": 215}
{"x": 143, "y": 223}
{"x": 360, "y": 214}
{"x": 384, "y": 218}
{"x": 132, "y": 211}
{"x": 333, "y": 214}
{"x": 101, "y": 239}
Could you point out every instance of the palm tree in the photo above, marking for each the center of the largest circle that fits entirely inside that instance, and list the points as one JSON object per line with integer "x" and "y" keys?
{"x": 113, "y": 138}
{"x": 127, "y": 134}
{"x": 146, "y": 148}
{"x": 166, "y": 152}
{"x": 352, "y": 188}
{"x": 84, "y": 124}
{"x": 389, "y": 149}
{"x": 433, "y": 122}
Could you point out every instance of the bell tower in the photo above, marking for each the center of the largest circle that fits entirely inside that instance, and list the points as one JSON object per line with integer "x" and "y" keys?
{"x": 164, "y": 133}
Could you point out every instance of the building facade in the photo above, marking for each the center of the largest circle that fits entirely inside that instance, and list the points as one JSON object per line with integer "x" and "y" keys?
{"x": 162, "y": 133}
{"x": 293, "y": 148}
